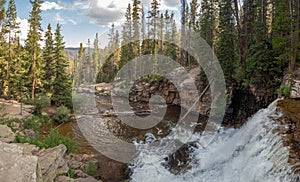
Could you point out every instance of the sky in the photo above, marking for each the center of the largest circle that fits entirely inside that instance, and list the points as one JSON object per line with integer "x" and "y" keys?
{"x": 82, "y": 19}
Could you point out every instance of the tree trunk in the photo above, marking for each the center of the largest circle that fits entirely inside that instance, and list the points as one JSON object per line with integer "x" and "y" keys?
{"x": 34, "y": 74}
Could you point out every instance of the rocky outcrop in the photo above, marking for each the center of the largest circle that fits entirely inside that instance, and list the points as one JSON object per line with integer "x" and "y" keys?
{"x": 17, "y": 163}
{"x": 295, "y": 89}
{"x": 290, "y": 130}
{"x": 6, "y": 135}
{"x": 143, "y": 91}
{"x": 51, "y": 163}
{"x": 67, "y": 179}
{"x": 13, "y": 109}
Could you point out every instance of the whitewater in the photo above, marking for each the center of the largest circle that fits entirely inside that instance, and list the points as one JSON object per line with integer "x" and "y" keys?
{"x": 253, "y": 153}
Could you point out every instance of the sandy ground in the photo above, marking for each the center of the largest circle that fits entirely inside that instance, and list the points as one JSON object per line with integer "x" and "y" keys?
{"x": 13, "y": 109}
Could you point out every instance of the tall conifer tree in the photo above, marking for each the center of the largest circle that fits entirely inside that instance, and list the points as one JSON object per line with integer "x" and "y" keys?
{"x": 32, "y": 47}
{"x": 62, "y": 83}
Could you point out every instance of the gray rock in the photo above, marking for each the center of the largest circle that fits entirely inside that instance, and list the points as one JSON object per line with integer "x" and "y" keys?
{"x": 74, "y": 164}
{"x": 88, "y": 179}
{"x": 80, "y": 174}
{"x": 51, "y": 163}
{"x": 6, "y": 135}
{"x": 28, "y": 149}
{"x": 67, "y": 179}
{"x": 63, "y": 179}
{"x": 295, "y": 89}
{"x": 15, "y": 165}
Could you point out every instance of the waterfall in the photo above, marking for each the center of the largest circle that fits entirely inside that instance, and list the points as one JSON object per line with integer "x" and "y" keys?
{"x": 253, "y": 153}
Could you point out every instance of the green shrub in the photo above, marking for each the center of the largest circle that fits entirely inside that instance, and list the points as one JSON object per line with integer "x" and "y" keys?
{"x": 90, "y": 169}
{"x": 62, "y": 114}
{"x": 286, "y": 91}
{"x": 10, "y": 122}
{"x": 36, "y": 121}
{"x": 41, "y": 103}
{"x": 32, "y": 123}
{"x": 53, "y": 139}
{"x": 71, "y": 174}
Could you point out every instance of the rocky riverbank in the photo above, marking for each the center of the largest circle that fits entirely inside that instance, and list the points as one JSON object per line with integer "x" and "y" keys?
{"x": 290, "y": 130}
{"x": 31, "y": 162}
{"x": 41, "y": 165}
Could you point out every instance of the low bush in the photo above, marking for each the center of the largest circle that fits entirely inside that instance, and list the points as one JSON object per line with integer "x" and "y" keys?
{"x": 90, "y": 169}
{"x": 62, "y": 114}
{"x": 36, "y": 121}
{"x": 39, "y": 103}
{"x": 11, "y": 123}
{"x": 71, "y": 174}
{"x": 285, "y": 91}
{"x": 53, "y": 139}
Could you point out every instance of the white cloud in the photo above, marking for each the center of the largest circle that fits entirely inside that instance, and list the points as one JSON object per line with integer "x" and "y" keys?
{"x": 72, "y": 21}
{"x": 24, "y": 27}
{"x": 171, "y": 3}
{"x": 164, "y": 4}
{"x": 76, "y": 5}
{"x": 106, "y": 12}
{"x": 59, "y": 19}
{"x": 50, "y": 5}
{"x": 63, "y": 21}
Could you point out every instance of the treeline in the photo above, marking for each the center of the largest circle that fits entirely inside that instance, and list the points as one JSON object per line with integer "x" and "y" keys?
{"x": 32, "y": 71}
{"x": 255, "y": 41}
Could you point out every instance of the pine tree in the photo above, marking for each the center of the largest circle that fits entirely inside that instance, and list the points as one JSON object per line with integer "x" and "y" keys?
{"x": 49, "y": 62}
{"x": 261, "y": 67}
{"x": 136, "y": 27}
{"x": 3, "y": 47}
{"x": 161, "y": 26}
{"x": 126, "y": 51}
{"x": 79, "y": 70}
{"x": 226, "y": 47}
{"x": 208, "y": 22}
{"x": 32, "y": 47}
{"x": 11, "y": 28}
{"x": 89, "y": 65}
{"x": 143, "y": 32}
{"x": 154, "y": 27}
{"x": 18, "y": 72}
{"x": 170, "y": 36}
{"x": 193, "y": 15}
{"x": 183, "y": 51}
{"x": 110, "y": 66}
{"x": 96, "y": 56}
{"x": 208, "y": 28}
{"x": 283, "y": 32}
{"x": 62, "y": 83}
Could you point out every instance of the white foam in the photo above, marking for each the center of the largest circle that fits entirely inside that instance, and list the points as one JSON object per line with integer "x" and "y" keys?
{"x": 250, "y": 154}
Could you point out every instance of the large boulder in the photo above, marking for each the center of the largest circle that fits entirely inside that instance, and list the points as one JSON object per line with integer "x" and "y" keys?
{"x": 51, "y": 163}
{"x": 6, "y": 135}
{"x": 295, "y": 89}
{"x": 15, "y": 164}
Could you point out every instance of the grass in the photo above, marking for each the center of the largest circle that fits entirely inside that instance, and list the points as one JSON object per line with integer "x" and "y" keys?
{"x": 90, "y": 169}
{"x": 53, "y": 139}
{"x": 284, "y": 91}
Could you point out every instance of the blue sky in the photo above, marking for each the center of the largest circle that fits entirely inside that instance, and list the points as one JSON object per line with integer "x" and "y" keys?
{"x": 81, "y": 19}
